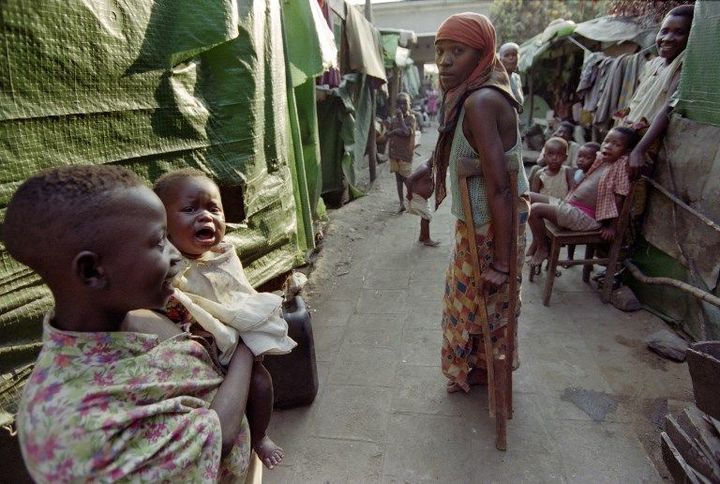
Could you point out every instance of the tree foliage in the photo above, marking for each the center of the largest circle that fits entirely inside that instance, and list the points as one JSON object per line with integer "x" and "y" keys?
{"x": 652, "y": 11}
{"x": 519, "y": 20}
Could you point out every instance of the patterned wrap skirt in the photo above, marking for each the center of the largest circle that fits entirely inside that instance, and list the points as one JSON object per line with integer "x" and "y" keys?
{"x": 463, "y": 340}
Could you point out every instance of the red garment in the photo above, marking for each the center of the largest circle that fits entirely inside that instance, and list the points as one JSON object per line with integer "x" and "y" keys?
{"x": 476, "y": 31}
{"x": 614, "y": 181}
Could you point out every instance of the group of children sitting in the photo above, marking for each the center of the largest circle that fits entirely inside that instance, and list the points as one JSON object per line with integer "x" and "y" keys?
{"x": 582, "y": 198}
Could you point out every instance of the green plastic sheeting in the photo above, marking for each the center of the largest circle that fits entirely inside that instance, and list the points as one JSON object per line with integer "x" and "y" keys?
{"x": 152, "y": 86}
{"x": 673, "y": 305}
{"x": 700, "y": 81}
{"x": 344, "y": 118}
{"x": 390, "y": 45}
{"x": 305, "y": 60}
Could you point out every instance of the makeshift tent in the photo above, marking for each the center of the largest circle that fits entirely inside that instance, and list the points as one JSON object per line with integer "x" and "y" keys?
{"x": 345, "y": 113}
{"x": 152, "y": 86}
{"x": 594, "y": 35}
{"x": 310, "y": 51}
{"x": 551, "y": 60}
{"x": 402, "y": 73}
{"x": 684, "y": 238}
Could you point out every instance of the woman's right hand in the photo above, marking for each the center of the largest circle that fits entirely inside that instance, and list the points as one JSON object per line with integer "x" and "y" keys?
{"x": 467, "y": 167}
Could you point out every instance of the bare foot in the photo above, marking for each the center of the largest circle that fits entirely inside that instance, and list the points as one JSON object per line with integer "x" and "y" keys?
{"x": 402, "y": 208}
{"x": 429, "y": 242}
{"x": 539, "y": 256}
{"x": 531, "y": 250}
{"x": 453, "y": 387}
{"x": 269, "y": 452}
{"x": 477, "y": 376}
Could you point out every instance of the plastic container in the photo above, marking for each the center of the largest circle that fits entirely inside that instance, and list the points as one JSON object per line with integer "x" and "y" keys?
{"x": 295, "y": 378}
{"x": 703, "y": 360}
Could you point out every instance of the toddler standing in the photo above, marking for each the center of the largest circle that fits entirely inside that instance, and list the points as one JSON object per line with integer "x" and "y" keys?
{"x": 585, "y": 160}
{"x": 213, "y": 288}
{"x": 402, "y": 144}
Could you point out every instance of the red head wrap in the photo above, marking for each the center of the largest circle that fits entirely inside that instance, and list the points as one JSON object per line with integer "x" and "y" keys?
{"x": 476, "y": 31}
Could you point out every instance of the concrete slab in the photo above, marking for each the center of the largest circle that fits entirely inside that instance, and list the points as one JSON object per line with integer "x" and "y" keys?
{"x": 382, "y": 301}
{"x": 351, "y": 413}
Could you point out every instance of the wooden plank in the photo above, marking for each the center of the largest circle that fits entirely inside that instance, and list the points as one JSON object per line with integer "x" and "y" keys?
{"x": 679, "y": 469}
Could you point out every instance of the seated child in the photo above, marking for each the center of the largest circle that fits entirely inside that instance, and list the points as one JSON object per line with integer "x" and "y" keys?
{"x": 565, "y": 130}
{"x": 103, "y": 403}
{"x": 585, "y": 160}
{"x": 420, "y": 189}
{"x": 594, "y": 203}
{"x": 213, "y": 288}
{"x": 554, "y": 180}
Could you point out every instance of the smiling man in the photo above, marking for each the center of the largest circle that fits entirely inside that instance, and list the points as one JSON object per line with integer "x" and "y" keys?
{"x": 662, "y": 74}
{"x": 654, "y": 96}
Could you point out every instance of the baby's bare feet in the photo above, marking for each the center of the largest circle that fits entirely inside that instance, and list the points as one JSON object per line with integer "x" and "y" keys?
{"x": 269, "y": 452}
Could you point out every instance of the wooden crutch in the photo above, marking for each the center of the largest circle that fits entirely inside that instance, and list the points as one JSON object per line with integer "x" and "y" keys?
{"x": 506, "y": 386}
{"x": 499, "y": 367}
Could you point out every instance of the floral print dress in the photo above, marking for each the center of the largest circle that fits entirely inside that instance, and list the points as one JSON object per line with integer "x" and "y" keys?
{"x": 125, "y": 406}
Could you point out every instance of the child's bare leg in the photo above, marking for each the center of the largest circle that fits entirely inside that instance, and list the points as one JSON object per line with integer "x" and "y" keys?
{"x": 400, "y": 181}
{"x": 538, "y": 197}
{"x": 535, "y": 198}
{"x": 259, "y": 411}
{"x": 539, "y": 212}
{"x": 425, "y": 234}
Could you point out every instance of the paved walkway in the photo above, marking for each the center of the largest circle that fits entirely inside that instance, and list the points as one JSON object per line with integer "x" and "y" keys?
{"x": 588, "y": 394}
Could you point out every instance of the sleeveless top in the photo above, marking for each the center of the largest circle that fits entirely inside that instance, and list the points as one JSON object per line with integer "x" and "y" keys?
{"x": 476, "y": 185}
{"x": 554, "y": 185}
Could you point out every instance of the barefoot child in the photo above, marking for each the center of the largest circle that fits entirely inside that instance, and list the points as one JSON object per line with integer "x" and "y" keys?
{"x": 113, "y": 397}
{"x": 555, "y": 180}
{"x": 585, "y": 160}
{"x": 594, "y": 203}
{"x": 420, "y": 188}
{"x": 213, "y": 288}
{"x": 402, "y": 144}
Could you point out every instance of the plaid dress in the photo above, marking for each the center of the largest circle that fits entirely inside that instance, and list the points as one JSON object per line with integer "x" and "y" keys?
{"x": 463, "y": 341}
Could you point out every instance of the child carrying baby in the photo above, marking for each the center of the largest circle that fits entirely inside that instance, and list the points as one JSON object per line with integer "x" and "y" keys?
{"x": 213, "y": 289}
{"x": 115, "y": 396}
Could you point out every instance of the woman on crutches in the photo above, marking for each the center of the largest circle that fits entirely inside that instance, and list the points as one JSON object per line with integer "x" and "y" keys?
{"x": 480, "y": 146}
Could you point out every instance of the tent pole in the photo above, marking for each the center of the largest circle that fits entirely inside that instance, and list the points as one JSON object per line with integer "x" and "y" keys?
{"x": 371, "y": 147}
{"x": 531, "y": 93}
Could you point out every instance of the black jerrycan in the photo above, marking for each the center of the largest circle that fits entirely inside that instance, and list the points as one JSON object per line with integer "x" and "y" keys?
{"x": 295, "y": 378}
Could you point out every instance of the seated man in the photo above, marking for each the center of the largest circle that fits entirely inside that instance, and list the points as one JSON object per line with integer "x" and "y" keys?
{"x": 594, "y": 204}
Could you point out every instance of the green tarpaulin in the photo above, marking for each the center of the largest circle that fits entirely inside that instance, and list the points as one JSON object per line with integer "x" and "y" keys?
{"x": 311, "y": 49}
{"x": 153, "y": 86}
{"x": 680, "y": 244}
{"x": 700, "y": 83}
